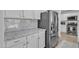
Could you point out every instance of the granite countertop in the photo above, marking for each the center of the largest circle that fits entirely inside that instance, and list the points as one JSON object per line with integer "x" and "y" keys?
{"x": 21, "y": 33}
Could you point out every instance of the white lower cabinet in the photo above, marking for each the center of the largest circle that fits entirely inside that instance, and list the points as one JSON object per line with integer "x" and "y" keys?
{"x": 41, "y": 39}
{"x": 18, "y": 43}
{"x": 32, "y": 41}
{"x": 36, "y": 40}
{"x": 21, "y": 45}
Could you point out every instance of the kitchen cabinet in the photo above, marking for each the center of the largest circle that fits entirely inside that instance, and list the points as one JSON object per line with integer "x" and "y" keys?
{"x": 20, "y": 42}
{"x": 41, "y": 39}
{"x": 13, "y": 13}
{"x": 32, "y": 41}
{"x": 37, "y": 14}
{"x": 29, "y": 14}
{"x": 21, "y": 45}
{"x": 36, "y": 40}
{"x": 32, "y": 14}
{"x": 26, "y": 14}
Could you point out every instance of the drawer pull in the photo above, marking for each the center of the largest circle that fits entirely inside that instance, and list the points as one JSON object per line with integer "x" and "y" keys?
{"x": 16, "y": 41}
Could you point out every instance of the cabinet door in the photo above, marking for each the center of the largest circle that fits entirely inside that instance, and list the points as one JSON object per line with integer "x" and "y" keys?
{"x": 16, "y": 42}
{"x": 29, "y": 14}
{"x": 32, "y": 41}
{"x": 12, "y": 13}
{"x": 41, "y": 39}
{"x": 21, "y": 45}
{"x": 37, "y": 14}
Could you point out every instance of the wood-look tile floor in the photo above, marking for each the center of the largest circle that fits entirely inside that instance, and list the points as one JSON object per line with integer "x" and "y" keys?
{"x": 68, "y": 37}
{"x": 67, "y": 41}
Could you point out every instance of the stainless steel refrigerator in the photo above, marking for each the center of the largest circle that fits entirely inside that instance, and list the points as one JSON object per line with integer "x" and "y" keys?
{"x": 49, "y": 21}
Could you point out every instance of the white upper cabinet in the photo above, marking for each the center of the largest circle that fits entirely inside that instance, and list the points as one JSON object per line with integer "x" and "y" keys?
{"x": 37, "y": 13}
{"x": 13, "y": 13}
{"x": 32, "y": 14}
{"x": 29, "y": 14}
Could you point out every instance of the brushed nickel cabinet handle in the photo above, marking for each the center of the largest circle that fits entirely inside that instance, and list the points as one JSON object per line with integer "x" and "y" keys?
{"x": 16, "y": 41}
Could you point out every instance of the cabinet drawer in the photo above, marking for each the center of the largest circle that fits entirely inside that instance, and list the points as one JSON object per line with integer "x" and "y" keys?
{"x": 21, "y": 45}
{"x": 15, "y": 42}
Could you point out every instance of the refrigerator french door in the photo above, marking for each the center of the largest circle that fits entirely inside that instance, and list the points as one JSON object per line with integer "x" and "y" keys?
{"x": 49, "y": 21}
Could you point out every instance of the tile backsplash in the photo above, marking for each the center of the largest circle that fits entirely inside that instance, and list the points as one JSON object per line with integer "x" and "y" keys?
{"x": 28, "y": 24}
{"x": 14, "y": 24}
